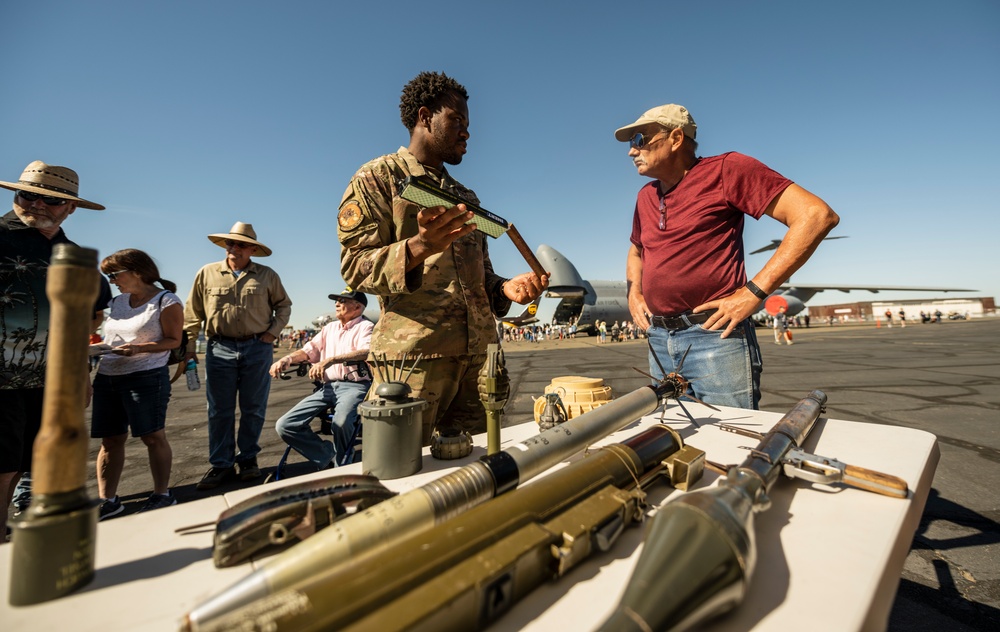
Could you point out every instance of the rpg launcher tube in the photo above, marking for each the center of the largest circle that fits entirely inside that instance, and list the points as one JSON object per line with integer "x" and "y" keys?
{"x": 54, "y": 545}
{"x": 362, "y": 595}
{"x": 435, "y": 502}
{"x": 700, "y": 551}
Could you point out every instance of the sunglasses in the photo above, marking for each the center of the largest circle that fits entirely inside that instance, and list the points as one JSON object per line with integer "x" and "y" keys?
{"x": 237, "y": 244}
{"x": 641, "y": 140}
{"x": 111, "y": 275}
{"x": 28, "y": 196}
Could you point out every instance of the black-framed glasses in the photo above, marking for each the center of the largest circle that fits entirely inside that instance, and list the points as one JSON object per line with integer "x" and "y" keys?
{"x": 237, "y": 244}
{"x": 640, "y": 140}
{"x": 111, "y": 275}
{"x": 28, "y": 196}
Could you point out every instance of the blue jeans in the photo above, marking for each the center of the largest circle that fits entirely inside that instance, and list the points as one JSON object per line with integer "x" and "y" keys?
{"x": 236, "y": 370}
{"x": 293, "y": 426}
{"x": 724, "y": 372}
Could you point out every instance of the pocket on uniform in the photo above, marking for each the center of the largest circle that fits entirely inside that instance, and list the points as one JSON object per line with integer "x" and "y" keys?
{"x": 217, "y": 297}
{"x": 254, "y": 294}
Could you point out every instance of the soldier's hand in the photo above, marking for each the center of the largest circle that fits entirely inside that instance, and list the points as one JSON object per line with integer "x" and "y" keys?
{"x": 526, "y": 287}
{"x": 730, "y": 310}
{"x": 437, "y": 228}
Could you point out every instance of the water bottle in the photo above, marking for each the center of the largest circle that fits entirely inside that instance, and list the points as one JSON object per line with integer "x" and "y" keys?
{"x": 191, "y": 373}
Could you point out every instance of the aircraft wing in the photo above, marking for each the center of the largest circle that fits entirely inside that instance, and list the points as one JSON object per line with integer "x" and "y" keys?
{"x": 777, "y": 242}
{"x": 771, "y": 246}
{"x": 526, "y": 317}
{"x": 869, "y": 288}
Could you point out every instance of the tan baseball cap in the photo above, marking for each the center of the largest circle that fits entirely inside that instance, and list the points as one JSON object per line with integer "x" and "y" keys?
{"x": 671, "y": 115}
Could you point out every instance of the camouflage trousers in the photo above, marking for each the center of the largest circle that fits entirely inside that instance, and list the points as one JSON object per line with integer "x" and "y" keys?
{"x": 450, "y": 387}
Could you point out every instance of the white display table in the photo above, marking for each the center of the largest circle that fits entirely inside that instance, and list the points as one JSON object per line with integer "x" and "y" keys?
{"x": 830, "y": 557}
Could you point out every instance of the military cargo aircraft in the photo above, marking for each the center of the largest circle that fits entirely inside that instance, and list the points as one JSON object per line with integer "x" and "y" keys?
{"x": 586, "y": 303}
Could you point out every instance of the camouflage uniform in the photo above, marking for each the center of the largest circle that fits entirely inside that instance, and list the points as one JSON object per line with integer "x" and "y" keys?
{"x": 444, "y": 309}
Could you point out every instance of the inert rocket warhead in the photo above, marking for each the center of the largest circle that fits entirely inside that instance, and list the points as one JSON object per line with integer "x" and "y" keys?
{"x": 435, "y": 502}
{"x": 699, "y": 552}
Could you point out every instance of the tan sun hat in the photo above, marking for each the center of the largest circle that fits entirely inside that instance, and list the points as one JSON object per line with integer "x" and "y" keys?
{"x": 241, "y": 232}
{"x": 53, "y": 181}
{"x": 672, "y": 116}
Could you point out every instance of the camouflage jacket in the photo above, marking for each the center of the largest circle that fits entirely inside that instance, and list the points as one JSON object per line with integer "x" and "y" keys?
{"x": 444, "y": 308}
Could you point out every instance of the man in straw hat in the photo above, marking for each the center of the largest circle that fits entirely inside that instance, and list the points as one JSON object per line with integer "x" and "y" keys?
{"x": 430, "y": 269}
{"x": 243, "y": 307}
{"x": 685, "y": 269}
{"x": 44, "y": 197}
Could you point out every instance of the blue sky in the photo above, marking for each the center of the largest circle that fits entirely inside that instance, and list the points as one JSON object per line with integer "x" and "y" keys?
{"x": 184, "y": 117}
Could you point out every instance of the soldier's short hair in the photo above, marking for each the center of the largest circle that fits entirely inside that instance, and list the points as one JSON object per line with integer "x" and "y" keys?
{"x": 432, "y": 90}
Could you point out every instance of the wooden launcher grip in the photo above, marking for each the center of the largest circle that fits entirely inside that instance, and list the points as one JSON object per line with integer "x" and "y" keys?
{"x": 60, "y": 451}
{"x": 875, "y": 481}
{"x": 522, "y": 247}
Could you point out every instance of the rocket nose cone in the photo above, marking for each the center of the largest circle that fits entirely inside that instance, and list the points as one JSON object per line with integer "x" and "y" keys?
{"x": 689, "y": 570}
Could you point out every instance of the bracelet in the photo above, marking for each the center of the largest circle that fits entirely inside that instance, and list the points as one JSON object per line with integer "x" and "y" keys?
{"x": 756, "y": 291}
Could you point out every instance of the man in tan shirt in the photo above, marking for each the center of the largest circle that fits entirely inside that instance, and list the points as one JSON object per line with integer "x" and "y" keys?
{"x": 243, "y": 308}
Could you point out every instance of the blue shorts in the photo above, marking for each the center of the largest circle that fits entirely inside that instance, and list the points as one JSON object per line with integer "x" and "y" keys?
{"x": 136, "y": 400}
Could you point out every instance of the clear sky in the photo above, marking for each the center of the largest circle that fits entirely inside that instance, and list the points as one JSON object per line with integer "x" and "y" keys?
{"x": 184, "y": 117}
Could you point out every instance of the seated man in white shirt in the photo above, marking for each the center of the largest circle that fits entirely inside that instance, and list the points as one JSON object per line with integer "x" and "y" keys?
{"x": 337, "y": 354}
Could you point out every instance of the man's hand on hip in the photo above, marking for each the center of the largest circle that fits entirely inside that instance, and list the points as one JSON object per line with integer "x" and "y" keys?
{"x": 730, "y": 310}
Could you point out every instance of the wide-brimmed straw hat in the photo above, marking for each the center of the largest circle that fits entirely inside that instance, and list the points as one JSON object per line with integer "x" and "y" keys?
{"x": 241, "y": 232}
{"x": 52, "y": 181}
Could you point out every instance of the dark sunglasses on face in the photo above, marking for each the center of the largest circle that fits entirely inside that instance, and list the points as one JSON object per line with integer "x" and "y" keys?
{"x": 28, "y": 196}
{"x": 111, "y": 275}
{"x": 641, "y": 140}
{"x": 237, "y": 244}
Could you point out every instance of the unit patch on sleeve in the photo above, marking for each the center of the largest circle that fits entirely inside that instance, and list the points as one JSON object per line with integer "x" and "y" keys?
{"x": 350, "y": 216}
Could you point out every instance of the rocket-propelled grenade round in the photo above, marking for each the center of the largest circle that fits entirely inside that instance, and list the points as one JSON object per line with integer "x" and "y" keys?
{"x": 699, "y": 553}
{"x": 431, "y": 504}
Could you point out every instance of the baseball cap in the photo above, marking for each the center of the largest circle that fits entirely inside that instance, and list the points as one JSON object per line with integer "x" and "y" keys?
{"x": 350, "y": 294}
{"x": 671, "y": 115}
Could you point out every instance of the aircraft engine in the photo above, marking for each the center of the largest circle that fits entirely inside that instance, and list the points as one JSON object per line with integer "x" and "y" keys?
{"x": 791, "y": 304}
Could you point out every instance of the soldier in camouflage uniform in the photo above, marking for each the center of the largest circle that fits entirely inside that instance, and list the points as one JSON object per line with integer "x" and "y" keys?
{"x": 431, "y": 270}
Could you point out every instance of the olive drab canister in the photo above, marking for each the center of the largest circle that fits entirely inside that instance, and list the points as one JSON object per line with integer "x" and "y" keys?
{"x": 393, "y": 425}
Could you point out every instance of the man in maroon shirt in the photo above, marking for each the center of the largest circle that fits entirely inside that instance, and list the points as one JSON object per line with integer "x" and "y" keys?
{"x": 685, "y": 271}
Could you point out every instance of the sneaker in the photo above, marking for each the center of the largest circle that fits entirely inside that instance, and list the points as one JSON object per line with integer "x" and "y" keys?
{"x": 158, "y": 501}
{"x": 216, "y": 476}
{"x": 109, "y": 508}
{"x": 249, "y": 469}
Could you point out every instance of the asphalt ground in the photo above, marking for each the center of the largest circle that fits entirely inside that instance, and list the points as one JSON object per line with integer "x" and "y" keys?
{"x": 942, "y": 378}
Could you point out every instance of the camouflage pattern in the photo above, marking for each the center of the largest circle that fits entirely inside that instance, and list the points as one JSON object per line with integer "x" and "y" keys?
{"x": 446, "y": 307}
{"x": 450, "y": 388}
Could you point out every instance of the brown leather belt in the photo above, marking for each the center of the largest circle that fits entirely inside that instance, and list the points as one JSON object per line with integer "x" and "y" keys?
{"x": 680, "y": 321}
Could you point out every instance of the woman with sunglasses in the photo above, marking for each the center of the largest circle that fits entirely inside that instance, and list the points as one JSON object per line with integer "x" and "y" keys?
{"x": 132, "y": 386}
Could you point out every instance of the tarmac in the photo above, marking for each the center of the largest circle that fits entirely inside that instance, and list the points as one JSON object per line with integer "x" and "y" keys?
{"x": 942, "y": 378}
